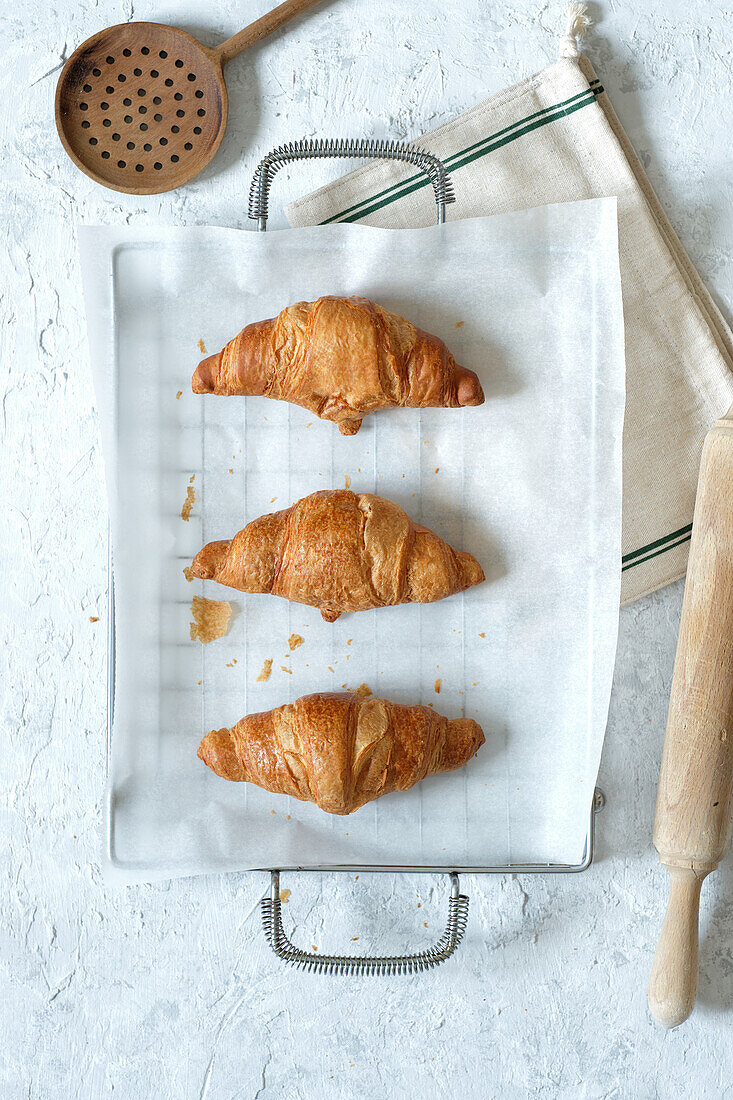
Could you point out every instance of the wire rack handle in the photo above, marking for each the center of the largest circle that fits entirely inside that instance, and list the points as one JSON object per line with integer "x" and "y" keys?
{"x": 363, "y": 149}
{"x": 363, "y": 964}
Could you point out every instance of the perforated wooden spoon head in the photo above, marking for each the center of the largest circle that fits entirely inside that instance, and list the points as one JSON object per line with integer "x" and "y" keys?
{"x": 141, "y": 107}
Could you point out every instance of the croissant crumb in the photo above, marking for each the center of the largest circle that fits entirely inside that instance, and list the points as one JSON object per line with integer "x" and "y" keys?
{"x": 295, "y": 640}
{"x": 210, "y": 619}
{"x": 189, "y": 501}
{"x": 202, "y": 347}
{"x": 266, "y": 670}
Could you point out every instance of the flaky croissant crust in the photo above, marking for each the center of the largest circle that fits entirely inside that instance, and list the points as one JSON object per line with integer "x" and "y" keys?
{"x": 339, "y": 750}
{"x": 339, "y": 551}
{"x": 341, "y": 358}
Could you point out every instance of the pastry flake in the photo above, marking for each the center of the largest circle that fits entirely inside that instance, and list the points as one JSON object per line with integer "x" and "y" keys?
{"x": 265, "y": 671}
{"x": 210, "y": 619}
{"x": 189, "y": 501}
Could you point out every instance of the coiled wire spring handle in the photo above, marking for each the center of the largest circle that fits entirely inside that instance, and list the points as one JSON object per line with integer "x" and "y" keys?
{"x": 363, "y": 149}
{"x": 363, "y": 964}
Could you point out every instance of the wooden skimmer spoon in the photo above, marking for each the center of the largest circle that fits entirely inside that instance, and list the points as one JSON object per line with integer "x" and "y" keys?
{"x": 142, "y": 107}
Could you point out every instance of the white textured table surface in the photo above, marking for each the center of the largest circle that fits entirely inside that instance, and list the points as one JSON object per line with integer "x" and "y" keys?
{"x": 170, "y": 990}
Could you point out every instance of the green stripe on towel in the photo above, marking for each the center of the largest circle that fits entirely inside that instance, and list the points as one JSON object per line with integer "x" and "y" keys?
{"x": 659, "y": 546}
{"x": 663, "y": 550}
{"x": 472, "y": 152}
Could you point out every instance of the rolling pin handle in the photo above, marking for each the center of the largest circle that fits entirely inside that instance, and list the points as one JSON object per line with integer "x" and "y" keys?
{"x": 673, "y": 981}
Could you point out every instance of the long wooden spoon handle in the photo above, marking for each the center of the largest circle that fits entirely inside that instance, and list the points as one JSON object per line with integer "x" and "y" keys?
{"x": 673, "y": 980}
{"x": 260, "y": 29}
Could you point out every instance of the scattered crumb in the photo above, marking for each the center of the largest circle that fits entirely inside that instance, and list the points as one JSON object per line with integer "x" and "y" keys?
{"x": 288, "y": 670}
{"x": 272, "y": 811}
{"x": 272, "y": 500}
{"x": 347, "y": 481}
{"x": 266, "y": 670}
{"x": 431, "y": 704}
{"x": 315, "y": 949}
{"x": 295, "y": 640}
{"x": 188, "y": 504}
{"x": 94, "y": 618}
{"x": 284, "y": 895}
{"x": 483, "y": 635}
{"x": 413, "y": 494}
{"x": 349, "y": 641}
{"x": 419, "y": 905}
{"x": 459, "y": 323}
{"x": 231, "y": 471}
{"x": 189, "y": 501}
{"x": 309, "y": 424}
{"x": 437, "y": 686}
{"x": 210, "y": 618}
{"x": 179, "y": 395}
{"x": 202, "y": 347}
{"x": 187, "y": 573}
{"x": 343, "y": 685}
{"x": 437, "y": 468}
{"x": 363, "y": 689}
{"x": 353, "y": 940}
{"x": 474, "y": 684}
{"x": 198, "y": 683}
{"x": 425, "y": 923}
{"x": 330, "y": 669}
{"x": 287, "y": 818}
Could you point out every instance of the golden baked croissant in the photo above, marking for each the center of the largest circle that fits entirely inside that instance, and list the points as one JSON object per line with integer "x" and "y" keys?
{"x": 339, "y": 750}
{"x": 341, "y": 358}
{"x": 339, "y": 551}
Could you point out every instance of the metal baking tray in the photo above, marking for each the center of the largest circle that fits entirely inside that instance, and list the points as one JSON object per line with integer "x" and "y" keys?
{"x": 270, "y": 904}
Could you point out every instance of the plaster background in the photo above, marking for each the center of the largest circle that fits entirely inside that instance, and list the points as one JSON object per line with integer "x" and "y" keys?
{"x": 170, "y": 990}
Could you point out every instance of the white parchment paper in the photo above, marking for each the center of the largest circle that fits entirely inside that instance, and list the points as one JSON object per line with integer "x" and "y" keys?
{"x": 530, "y": 483}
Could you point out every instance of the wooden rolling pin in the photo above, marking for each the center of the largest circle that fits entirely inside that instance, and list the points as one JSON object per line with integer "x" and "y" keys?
{"x": 694, "y": 817}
